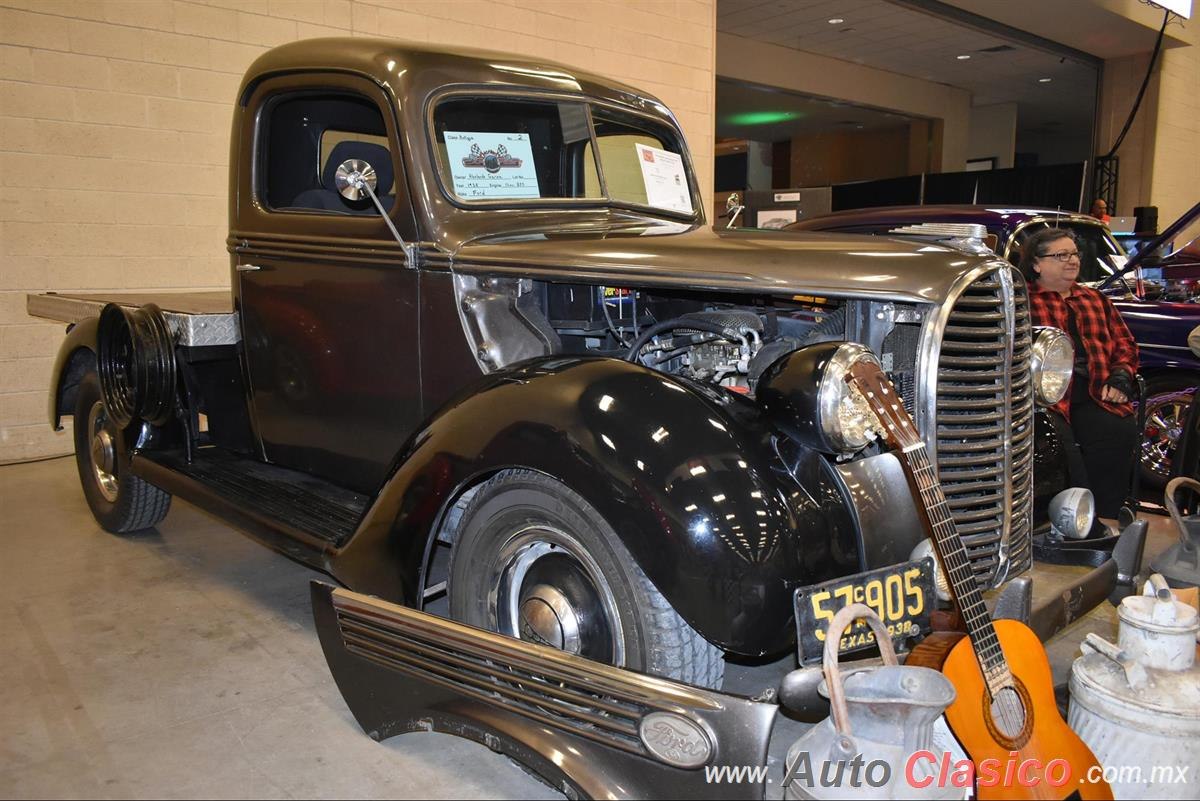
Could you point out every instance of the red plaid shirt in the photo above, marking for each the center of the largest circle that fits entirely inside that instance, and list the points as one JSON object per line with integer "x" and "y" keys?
{"x": 1106, "y": 340}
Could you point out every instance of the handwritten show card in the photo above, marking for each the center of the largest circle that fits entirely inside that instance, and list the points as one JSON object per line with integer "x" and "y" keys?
{"x": 491, "y": 165}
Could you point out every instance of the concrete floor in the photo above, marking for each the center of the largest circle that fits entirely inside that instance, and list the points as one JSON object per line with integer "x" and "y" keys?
{"x": 183, "y": 663}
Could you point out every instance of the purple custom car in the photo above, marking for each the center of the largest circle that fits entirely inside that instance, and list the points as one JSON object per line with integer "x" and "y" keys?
{"x": 1161, "y": 328}
{"x": 1172, "y": 259}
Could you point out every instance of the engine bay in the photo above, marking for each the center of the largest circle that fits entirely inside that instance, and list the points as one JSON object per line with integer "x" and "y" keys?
{"x": 723, "y": 341}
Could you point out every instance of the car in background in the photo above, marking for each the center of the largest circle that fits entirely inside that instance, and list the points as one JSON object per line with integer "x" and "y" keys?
{"x": 1172, "y": 259}
{"x": 1159, "y": 325}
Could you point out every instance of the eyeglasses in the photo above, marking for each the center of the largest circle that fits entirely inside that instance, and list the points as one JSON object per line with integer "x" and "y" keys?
{"x": 1062, "y": 255}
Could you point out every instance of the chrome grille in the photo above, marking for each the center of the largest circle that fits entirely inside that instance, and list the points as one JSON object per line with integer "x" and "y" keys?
{"x": 985, "y": 423}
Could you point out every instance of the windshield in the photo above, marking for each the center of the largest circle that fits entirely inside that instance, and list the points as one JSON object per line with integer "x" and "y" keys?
{"x": 1187, "y": 242}
{"x": 1099, "y": 254}
{"x": 515, "y": 151}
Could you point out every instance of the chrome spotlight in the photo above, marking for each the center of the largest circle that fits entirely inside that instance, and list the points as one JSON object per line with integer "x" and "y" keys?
{"x": 1072, "y": 513}
{"x": 941, "y": 585}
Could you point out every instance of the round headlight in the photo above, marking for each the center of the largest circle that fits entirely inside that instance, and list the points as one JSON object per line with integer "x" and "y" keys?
{"x": 925, "y": 550}
{"x": 1053, "y": 360}
{"x": 806, "y": 395}
{"x": 1072, "y": 513}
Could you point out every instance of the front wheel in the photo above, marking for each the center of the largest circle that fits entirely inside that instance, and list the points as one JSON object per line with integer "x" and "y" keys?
{"x": 1168, "y": 401}
{"x": 533, "y": 560}
{"x": 120, "y": 501}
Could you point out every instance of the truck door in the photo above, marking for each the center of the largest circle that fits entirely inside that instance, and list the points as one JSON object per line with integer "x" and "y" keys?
{"x": 329, "y": 310}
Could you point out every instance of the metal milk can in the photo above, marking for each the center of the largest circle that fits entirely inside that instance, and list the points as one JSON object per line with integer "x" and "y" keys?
{"x": 1137, "y": 703}
{"x": 879, "y": 714}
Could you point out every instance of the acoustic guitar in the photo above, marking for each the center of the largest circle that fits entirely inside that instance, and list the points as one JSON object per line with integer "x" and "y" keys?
{"x": 1004, "y": 716}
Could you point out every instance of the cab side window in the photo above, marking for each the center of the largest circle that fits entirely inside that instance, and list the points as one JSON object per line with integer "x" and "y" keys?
{"x": 303, "y": 140}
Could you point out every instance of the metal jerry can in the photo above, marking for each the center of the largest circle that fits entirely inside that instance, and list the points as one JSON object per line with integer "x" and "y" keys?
{"x": 881, "y": 716}
{"x": 1137, "y": 703}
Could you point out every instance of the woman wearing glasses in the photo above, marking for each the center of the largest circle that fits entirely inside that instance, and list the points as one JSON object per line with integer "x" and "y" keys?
{"x": 1098, "y": 404}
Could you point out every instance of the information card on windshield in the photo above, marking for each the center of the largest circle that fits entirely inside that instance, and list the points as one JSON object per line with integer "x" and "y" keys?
{"x": 491, "y": 165}
{"x": 665, "y": 179}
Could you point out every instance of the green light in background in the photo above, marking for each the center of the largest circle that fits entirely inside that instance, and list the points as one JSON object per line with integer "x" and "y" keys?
{"x": 762, "y": 117}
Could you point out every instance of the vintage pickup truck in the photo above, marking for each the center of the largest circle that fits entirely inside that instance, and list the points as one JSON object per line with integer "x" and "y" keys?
{"x": 484, "y": 357}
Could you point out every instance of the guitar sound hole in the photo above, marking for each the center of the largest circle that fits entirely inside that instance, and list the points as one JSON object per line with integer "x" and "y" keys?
{"x": 1008, "y": 713}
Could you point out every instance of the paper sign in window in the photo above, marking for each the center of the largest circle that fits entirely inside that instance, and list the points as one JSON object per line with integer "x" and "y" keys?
{"x": 491, "y": 165}
{"x": 665, "y": 179}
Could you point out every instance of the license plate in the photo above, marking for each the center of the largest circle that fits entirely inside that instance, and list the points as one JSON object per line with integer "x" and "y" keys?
{"x": 902, "y": 596}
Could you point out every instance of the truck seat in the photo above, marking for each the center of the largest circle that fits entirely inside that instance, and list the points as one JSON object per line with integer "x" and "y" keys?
{"x": 329, "y": 199}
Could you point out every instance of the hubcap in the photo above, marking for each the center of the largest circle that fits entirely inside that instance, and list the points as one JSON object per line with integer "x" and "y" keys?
{"x": 103, "y": 453}
{"x": 548, "y": 617}
{"x": 546, "y": 588}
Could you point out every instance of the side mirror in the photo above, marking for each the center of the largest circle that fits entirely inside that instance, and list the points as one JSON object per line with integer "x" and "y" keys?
{"x": 356, "y": 179}
{"x": 351, "y": 177}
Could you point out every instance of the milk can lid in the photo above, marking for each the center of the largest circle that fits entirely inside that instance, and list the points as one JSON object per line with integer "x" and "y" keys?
{"x": 1156, "y": 609}
{"x": 1171, "y": 698}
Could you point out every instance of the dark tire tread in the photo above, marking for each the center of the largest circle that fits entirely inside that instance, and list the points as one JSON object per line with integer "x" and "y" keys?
{"x": 673, "y": 648}
{"x": 145, "y": 505}
{"x": 139, "y": 505}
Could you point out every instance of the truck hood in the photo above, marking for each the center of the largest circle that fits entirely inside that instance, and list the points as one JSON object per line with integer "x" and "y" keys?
{"x": 645, "y": 252}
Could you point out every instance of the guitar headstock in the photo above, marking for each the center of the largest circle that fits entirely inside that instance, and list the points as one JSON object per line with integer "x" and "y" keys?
{"x": 896, "y": 426}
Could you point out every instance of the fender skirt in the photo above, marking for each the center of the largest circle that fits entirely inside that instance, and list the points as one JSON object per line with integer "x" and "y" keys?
{"x": 689, "y": 477}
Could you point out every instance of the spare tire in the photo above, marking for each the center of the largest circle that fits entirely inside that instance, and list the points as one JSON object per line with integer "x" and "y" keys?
{"x": 136, "y": 364}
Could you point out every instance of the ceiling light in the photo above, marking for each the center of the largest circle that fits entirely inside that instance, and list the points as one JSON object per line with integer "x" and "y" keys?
{"x": 963, "y": 57}
{"x": 1045, "y": 80}
{"x": 763, "y": 117}
{"x": 836, "y": 21}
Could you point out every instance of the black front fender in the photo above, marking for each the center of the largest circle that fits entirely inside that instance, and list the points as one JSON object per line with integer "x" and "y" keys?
{"x": 687, "y": 476}
{"x": 76, "y": 356}
{"x": 1052, "y": 461}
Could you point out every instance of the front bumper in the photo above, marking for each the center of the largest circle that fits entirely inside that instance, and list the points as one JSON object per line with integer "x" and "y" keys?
{"x": 587, "y": 729}
{"x": 595, "y": 731}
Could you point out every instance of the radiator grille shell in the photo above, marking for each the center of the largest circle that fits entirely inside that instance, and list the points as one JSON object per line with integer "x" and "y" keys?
{"x": 982, "y": 431}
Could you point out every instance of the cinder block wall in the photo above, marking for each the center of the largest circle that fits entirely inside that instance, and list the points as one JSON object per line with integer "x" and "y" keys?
{"x": 1158, "y": 161}
{"x": 114, "y": 127}
{"x": 1176, "y": 185}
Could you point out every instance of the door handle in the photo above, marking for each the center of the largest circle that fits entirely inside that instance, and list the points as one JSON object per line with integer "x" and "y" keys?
{"x": 248, "y": 268}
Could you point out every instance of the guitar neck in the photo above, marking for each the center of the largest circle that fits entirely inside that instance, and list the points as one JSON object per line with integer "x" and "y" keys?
{"x": 957, "y": 566}
{"x": 896, "y": 426}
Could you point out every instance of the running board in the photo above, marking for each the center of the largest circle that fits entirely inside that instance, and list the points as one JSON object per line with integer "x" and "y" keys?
{"x": 268, "y": 498}
{"x": 588, "y": 729}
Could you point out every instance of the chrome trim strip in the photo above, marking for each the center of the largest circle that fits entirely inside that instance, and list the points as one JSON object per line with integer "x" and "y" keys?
{"x": 1010, "y": 314}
